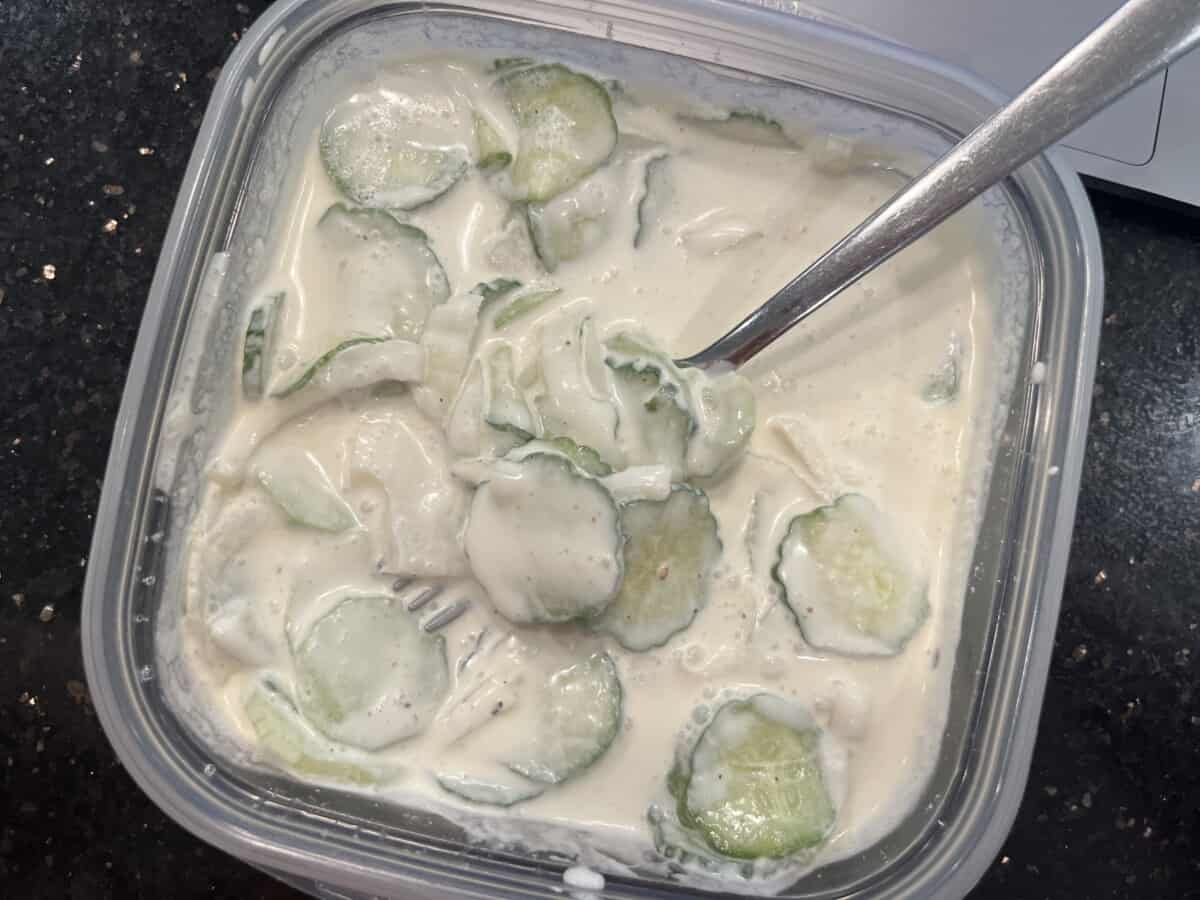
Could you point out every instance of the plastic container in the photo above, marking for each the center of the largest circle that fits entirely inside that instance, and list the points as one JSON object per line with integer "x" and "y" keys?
{"x": 341, "y": 845}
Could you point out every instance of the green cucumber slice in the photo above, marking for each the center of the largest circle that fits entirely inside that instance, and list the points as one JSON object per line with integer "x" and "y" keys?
{"x": 495, "y": 289}
{"x": 295, "y": 480}
{"x": 287, "y": 740}
{"x": 390, "y": 277}
{"x": 567, "y": 396}
{"x": 499, "y": 788}
{"x": 491, "y": 151}
{"x": 669, "y": 554}
{"x": 258, "y": 347}
{"x": 723, "y": 409}
{"x": 747, "y": 127}
{"x": 395, "y": 148}
{"x": 544, "y": 540}
{"x": 580, "y": 718}
{"x": 522, "y": 306}
{"x": 368, "y": 674}
{"x": 848, "y": 584}
{"x": 406, "y": 456}
{"x": 754, "y": 787}
{"x": 696, "y": 422}
{"x": 603, "y": 205}
{"x": 582, "y": 457}
{"x": 566, "y": 127}
{"x": 446, "y": 340}
{"x": 490, "y": 415}
{"x": 506, "y": 408}
{"x": 655, "y": 195}
{"x": 359, "y": 362}
{"x": 652, "y": 428}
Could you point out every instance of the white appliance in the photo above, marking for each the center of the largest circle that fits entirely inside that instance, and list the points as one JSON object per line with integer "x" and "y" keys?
{"x": 1148, "y": 140}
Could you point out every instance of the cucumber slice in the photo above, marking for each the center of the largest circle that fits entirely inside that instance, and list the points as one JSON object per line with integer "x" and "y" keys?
{"x": 506, "y": 408}
{"x": 490, "y": 415}
{"x": 566, "y": 125}
{"x": 693, "y": 421}
{"x": 401, "y": 450}
{"x": 568, "y": 396}
{"x": 295, "y": 480}
{"x": 359, "y": 362}
{"x": 723, "y": 408}
{"x": 390, "y": 277}
{"x": 495, "y": 289}
{"x": 848, "y": 584}
{"x": 603, "y": 205}
{"x": 491, "y": 151}
{"x": 652, "y": 428}
{"x": 747, "y": 127}
{"x": 499, "y": 788}
{"x": 754, "y": 786}
{"x": 639, "y": 483}
{"x": 583, "y": 458}
{"x": 258, "y": 347}
{"x": 580, "y": 718}
{"x": 287, "y": 740}
{"x": 544, "y": 540}
{"x": 522, "y": 306}
{"x": 396, "y": 148}
{"x": 368, "y": 674}
{"x": 670, "y": 552}
{"x": 656, "y": 193}
{"x": 446, "y": 341}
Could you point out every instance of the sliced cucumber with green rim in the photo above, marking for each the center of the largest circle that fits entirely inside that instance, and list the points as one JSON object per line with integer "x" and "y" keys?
{"x": 524, "y": 305}
{"x": 296, "y": 481}
{"x": 745, "y": 126}
{"x": 287, "y": 740}
{"x": 495, "y": 289}
{"x": 544, "y": 540}
{"x": 446, "y": 340}
{"x": 506, "y": 408}
{"x": 582, "y": 457}
{"x": 655, "y": 195}
{"x": 501, "y": 787}
{"x": 258, "y": 347}
{"x": 723, "y": 410}
{"x": 603, "y": 206}
{"x": 368, "y": 674}
{"x": 847, "y": 581}
{"x": 670, "y": 549}
{"x": 566, "y": 128}
{"x": 754, "y": 785}
{"x": 389, "y": 277}
{"x": 396, "y": 148}
{"x": 580, "y": 718}
{"x": 359, "y": 362}
{"x": 570, "y": 396}
{"x": 491, "y": 150}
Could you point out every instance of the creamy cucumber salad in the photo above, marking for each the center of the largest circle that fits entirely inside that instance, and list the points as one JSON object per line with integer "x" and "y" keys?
{"x": 472, "y": 542}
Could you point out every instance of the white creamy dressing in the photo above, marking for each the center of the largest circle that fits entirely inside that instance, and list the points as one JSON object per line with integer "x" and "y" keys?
{"x": 840, "y": 409}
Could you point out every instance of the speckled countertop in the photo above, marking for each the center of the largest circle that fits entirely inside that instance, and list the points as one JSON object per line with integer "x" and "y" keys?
{"x": 99, "y": 106}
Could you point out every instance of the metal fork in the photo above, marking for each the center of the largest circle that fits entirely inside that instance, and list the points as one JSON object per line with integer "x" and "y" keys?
{"x": 418, "y": 595}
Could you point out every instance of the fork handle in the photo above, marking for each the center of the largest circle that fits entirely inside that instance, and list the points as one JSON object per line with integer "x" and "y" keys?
{"x": 1136, "y": 41}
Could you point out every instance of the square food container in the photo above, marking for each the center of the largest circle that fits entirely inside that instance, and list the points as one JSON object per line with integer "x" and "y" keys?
{"x": 341, "y": 845}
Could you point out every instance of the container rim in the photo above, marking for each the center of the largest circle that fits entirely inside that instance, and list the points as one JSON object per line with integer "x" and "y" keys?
{"x": 107, "y": 663}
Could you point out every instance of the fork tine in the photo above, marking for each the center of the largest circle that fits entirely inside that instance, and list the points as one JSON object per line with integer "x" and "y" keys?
{"x": 445, "y": 615}
{"x": 423, "y": 596}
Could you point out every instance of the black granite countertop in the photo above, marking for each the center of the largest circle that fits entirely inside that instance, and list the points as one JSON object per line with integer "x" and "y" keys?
{"x": 99, "y": 106}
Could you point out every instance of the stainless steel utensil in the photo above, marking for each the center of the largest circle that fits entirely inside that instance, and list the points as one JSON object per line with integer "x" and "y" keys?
{"x": 1136, "y": 41}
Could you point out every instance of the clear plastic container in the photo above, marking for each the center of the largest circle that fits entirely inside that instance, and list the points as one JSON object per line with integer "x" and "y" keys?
{"x": 342, "y": 845}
